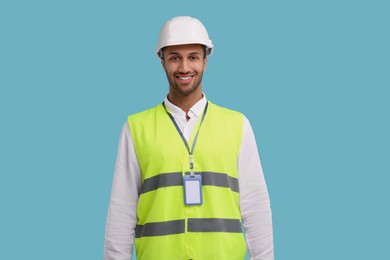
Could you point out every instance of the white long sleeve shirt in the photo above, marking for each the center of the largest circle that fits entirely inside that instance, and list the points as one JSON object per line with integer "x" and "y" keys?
{"x": 126, "y": 187}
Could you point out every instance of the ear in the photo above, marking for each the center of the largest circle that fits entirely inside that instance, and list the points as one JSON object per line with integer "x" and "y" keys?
{"x": 163, "y": 62}
{"x": 205, "y": 64}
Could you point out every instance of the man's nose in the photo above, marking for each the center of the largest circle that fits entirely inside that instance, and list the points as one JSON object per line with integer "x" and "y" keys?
{"x": 184, "y": 66}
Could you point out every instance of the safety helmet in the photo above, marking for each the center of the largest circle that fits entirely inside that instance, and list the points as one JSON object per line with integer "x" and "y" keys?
{"x": 183, "y": 30}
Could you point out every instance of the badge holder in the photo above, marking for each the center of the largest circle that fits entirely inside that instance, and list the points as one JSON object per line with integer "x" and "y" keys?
{"x": 192, "y": 190}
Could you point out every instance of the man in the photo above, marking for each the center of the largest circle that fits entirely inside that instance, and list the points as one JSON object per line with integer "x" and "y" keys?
{"x": 188, "y": 175}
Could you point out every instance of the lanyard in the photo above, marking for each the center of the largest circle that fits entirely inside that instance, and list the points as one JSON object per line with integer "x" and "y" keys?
{"x": 190, "y": 151}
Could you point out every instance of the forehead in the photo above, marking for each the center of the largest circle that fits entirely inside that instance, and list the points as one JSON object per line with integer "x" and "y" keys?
{"x": 184, "y": 49}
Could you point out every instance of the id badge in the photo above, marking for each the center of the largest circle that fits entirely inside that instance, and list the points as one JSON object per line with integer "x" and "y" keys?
{"x": 192, "y": 190}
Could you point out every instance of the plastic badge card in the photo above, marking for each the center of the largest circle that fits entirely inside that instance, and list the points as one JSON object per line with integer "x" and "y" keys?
{"x": 192, "y": 189}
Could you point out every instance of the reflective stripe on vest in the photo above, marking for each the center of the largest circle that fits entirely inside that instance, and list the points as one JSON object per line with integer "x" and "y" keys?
{"x": 194, "y": 225}
{"x": 175, "y": 179}
{"x": 160, "y": 228}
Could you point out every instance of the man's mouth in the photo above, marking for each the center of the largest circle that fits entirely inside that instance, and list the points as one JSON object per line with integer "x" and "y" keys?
{"x": 185, "y": 78}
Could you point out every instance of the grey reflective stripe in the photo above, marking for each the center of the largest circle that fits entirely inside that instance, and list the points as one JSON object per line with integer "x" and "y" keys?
{"x": 214, "y": 225}
{"x": 162, "y": 180}
{"x": 160, "y": 228}
{"x": 194, "y": 225}
{"x": 175, "y": 179}
{"x": 220, "y": 180}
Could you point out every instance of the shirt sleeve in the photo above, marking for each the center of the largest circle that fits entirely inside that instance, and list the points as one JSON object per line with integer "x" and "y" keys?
{"x": 254, "y": 199}
{"x": 126, "y": 185}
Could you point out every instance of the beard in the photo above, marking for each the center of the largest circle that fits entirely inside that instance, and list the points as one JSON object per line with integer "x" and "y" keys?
{"x": 185, "y": 91}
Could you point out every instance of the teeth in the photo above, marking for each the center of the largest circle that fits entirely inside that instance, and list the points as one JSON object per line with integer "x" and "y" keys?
{"x": 184, "y": 78}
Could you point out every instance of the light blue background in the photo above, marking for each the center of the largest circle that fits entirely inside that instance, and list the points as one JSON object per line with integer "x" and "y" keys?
{"x": 312, "y": 77}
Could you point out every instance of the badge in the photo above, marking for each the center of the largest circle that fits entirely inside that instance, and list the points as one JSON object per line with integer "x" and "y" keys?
{"x": 192, "y": 190}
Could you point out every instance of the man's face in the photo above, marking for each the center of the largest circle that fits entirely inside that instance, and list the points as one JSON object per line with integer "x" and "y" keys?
{"x": 184, "y": 66}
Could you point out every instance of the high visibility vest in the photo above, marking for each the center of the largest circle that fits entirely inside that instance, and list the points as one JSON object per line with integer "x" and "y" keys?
{"x": 167, "y": 228}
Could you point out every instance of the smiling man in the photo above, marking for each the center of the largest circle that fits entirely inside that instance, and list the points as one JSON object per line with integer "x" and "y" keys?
{"x": 188, "y": 182}
{"x": 184, "y": 66}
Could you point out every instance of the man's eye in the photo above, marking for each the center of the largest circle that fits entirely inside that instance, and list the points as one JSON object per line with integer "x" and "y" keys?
{"x": 174, "y": 58}
{"x": 194, "y": 58}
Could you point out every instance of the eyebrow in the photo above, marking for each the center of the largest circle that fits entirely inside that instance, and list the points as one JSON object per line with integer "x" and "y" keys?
{"x": 177, "y": 53}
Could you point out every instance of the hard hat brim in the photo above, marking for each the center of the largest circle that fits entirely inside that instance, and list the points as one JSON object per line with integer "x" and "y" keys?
{"x": 209, "y": 48}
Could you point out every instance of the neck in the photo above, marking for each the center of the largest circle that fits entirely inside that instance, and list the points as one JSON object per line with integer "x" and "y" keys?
{"x": 185, "y": 102}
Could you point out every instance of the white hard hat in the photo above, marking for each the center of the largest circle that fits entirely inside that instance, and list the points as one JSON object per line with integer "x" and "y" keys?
{"x": 183, "y": 30}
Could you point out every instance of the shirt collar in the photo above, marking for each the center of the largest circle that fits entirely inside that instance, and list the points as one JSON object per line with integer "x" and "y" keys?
{"x": 196, "y": 109}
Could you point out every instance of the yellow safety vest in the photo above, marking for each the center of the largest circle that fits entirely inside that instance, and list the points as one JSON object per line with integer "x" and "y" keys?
{"x": 166, "y": 227}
